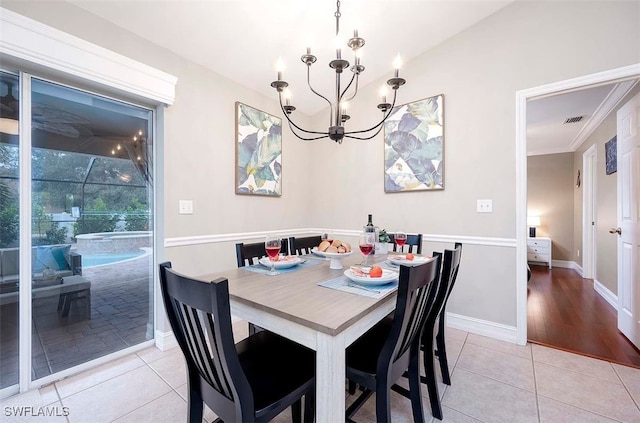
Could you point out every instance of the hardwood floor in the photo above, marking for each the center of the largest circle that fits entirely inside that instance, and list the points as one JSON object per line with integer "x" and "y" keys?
{"x": 564, "y": 311}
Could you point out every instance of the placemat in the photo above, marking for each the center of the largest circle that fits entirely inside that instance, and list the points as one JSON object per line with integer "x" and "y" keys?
{"x": 343, "y": 283}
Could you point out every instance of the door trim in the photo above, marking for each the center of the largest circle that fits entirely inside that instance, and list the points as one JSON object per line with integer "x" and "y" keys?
{"x": 589, "y": 211}
{"x": 619, "y": 74}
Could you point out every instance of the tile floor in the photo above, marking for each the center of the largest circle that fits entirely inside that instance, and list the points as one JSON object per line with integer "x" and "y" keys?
{"x": 492, "y": 381}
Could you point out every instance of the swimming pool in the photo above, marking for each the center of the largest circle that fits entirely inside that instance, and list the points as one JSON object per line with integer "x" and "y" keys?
{"x": 92, "y": 260}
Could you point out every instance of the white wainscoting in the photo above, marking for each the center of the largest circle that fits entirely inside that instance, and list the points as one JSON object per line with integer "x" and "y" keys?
{"x": 242, "y": 236}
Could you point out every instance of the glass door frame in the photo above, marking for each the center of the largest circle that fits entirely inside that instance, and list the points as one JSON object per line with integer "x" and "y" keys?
{"x": 25, "y": 383}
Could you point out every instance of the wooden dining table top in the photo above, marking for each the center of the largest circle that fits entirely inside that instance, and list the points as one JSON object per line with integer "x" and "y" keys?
{"x": 297, "y": 297}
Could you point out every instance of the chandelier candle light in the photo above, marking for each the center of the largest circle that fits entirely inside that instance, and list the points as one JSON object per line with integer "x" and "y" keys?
{"x": 338, "y": 108}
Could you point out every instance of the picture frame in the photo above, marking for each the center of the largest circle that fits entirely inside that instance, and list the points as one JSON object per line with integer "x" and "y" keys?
{"x": 414, "y": 146}
{"x": 611, "y": 153}
{"x": 258, "y": 158}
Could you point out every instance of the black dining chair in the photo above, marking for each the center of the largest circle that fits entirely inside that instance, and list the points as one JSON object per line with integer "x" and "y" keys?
{"x": 441, "y": 349}
{"x": 377, "y": 359}
{"x": 252, "y": 381}
{"x": 413, "y": 240}
{"x": 303, "y": 245}
{"x": 448, "y": 274}
{"x": 249, "y": 254}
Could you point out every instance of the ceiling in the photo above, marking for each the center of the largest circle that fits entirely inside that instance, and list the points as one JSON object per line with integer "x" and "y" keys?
{"x": 261, "y": 31}
{"x": 548, "y": 131}
{"x": 243, "y": 39}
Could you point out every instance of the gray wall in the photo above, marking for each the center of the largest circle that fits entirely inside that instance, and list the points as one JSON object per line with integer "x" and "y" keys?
{"x": 527, "y": 44}
{"x": 550, "y": 187}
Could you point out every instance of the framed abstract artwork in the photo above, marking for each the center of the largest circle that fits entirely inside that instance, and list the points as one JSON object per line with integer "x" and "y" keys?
{"x": 611, "y": 155}
{"x": 414, "y": 146}
{"x": 258, "y": 152}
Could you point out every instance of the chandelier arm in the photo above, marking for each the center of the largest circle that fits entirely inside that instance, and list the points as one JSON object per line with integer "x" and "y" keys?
{"x": 366, "y": 138}
{"x": 286, "y": 115}
{"x": 356, "y": 88}
{"x": 301, "y": 137}
{"x": 311, "y": 88}
{"x": 378, "y": 125}
{"x": 347, "y": 88}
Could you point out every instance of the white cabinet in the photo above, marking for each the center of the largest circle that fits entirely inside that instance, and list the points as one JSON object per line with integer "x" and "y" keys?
{"x": 539, "y": 250}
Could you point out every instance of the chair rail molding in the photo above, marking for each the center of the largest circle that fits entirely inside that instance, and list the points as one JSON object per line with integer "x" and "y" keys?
{"x": 25, "y": 39}
{"x": 242, "y": 236}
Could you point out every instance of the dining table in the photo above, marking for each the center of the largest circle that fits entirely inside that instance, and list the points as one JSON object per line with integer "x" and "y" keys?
{"x": 294, "y": 305}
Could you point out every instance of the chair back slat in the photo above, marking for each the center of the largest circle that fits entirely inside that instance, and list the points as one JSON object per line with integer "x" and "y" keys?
{"x": 199, "y": 314}
{"x": 304, "y": 245}
{"x": 414, "y": 242}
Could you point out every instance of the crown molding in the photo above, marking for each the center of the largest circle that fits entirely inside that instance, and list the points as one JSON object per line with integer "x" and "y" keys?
{"x": 604, "y": 109}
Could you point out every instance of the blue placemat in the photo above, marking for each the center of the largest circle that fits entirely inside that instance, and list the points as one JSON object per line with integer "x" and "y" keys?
{"x": 343, "y": 283}
{"x": 310, "y": 261}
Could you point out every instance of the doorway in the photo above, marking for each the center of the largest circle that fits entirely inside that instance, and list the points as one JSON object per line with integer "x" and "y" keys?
{"x": 620, "y": 74}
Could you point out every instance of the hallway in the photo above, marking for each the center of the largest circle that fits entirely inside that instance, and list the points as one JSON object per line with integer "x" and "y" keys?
{"x": 564, "y": 311}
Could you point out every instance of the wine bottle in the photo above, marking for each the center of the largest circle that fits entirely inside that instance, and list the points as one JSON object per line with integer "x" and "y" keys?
{"x": 370, "y": 227}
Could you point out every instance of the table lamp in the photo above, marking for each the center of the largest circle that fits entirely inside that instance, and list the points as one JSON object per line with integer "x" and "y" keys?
{"x": 532, "y": 223}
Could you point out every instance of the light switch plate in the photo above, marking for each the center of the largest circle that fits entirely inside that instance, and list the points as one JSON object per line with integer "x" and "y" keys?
{"x": 485, "y": 206}
{"x": 185, "y": 207}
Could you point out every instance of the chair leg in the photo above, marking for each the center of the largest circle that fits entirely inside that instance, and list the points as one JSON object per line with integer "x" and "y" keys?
{"x": 414, "y": 387}
{"x": 196, "y": 406}
{"x": 296, "y": 412}
{"x": 383, "y": 402}
{"x": 442, "y": 352}
{"x": 309, "y": 407}
{"x": 352, "y": 387}
{"x": 430, "y": 374}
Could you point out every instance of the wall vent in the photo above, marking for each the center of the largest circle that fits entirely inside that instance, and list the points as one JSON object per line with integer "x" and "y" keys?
{"x": 573, "y": 119}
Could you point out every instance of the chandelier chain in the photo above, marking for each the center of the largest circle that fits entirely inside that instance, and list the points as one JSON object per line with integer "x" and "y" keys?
{"x": 337, "y": 15}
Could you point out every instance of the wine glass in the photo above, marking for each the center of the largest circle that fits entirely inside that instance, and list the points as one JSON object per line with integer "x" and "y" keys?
{"x": 400, "y": 239}
{"x": 366, "y": 244}
{"x": 272, "y": 245}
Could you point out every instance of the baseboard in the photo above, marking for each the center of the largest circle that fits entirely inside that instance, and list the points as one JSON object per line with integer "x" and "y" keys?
{"x": 578, "y": 269}
{"x": 482, "y": 327}
{"x": 566, "y": 264}
{"x": 563, "y": 263}
{"x": 606, "y": 293}
{"x": 165, "y": 340}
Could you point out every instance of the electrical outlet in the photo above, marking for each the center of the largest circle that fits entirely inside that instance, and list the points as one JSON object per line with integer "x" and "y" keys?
{"x": 578, "y": 253}
{"x": 185, "y": 207}
{"x": 485, "y": 206}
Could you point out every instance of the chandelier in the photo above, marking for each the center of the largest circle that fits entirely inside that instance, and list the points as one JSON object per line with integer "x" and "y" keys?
{"x": 338, "y": 107}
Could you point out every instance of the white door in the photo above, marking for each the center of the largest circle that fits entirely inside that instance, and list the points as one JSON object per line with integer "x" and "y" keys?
{"x": 628, "y": 224}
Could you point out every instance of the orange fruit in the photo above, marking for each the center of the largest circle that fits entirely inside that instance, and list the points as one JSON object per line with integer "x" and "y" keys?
{"x": 375, "y": 272}
{"x": 410, "y": 256}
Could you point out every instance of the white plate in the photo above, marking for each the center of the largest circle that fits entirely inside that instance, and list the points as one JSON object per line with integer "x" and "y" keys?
{"x": 399, "y": 259}
{"x": 387, "y": 276}
{"x": 282, "y": 263}
{"x": 330, "y": 255}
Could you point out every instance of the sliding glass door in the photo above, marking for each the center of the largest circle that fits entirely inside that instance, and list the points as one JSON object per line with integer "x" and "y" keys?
{"x": 9, "y": 229}
{"x": 90, "y": 223}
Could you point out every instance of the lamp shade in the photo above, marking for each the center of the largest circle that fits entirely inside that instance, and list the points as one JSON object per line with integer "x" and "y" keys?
{"x": 533, "y": 221}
